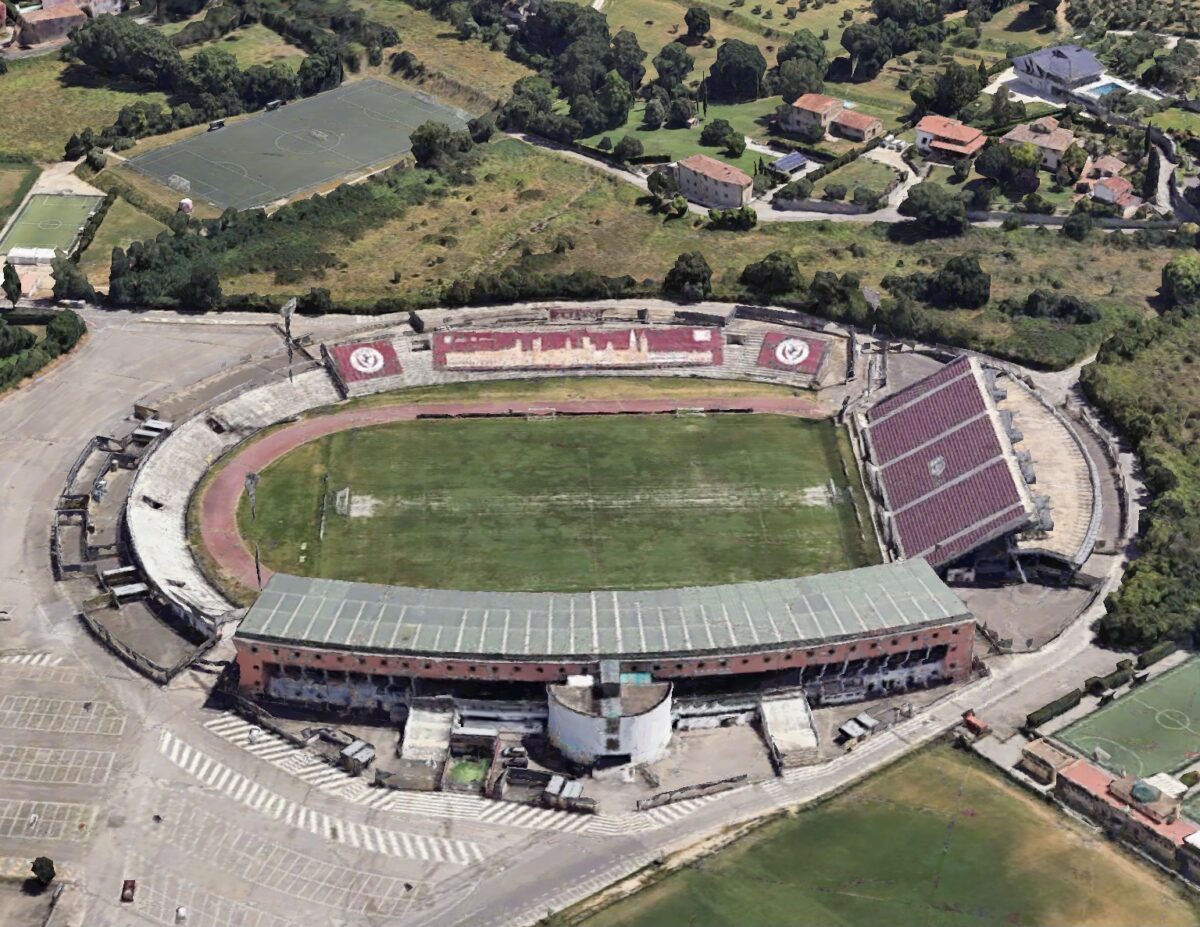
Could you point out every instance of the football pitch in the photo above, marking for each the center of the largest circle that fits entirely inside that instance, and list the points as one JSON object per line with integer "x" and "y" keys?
{"x": 563, "y": 504}
{"x": 1151, "y": 729}
{"x": 50, "y": 220}
{"x": 937, "y": 840}
{"x": 273, "y": 155}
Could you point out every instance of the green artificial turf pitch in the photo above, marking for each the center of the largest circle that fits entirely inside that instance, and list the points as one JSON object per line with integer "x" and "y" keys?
{"x": 50, "y": 220}
{"x": 1151, "y": 729}
{"x": 564, "y": 504}
{"x": 273, "y": 155}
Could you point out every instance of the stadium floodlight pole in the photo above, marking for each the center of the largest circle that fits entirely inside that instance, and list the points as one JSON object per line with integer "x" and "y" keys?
{"x": 287, "y": 310}
{"x": 251, "y": 485}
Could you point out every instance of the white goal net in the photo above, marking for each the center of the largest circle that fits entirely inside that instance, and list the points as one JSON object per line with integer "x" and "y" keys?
{"x": 179, "y": 184}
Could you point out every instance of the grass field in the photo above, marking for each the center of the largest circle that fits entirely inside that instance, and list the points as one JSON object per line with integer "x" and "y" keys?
{"x": 1154, "y": 728}
{"x": 44, "y": 101}
{"x": 274, "y": 155}
{"x": 937, "y": 840}
{"x": 566, "y": 504}
{"x": 49, "y": 221}
{"x": 15, "y": 181}
{"x": 122, "y": 224}
{"x": 468, "y": 771}
{"x": 251, "y": 45}
{"x": 863, "y": 172}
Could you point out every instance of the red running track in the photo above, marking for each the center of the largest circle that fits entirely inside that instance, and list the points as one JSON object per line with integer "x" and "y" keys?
{"x": 218, "y": 506}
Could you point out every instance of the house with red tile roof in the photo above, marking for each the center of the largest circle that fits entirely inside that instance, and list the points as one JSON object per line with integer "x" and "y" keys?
{"x": 1046, "y": 135}
{"x": 938, "y": 135}
{"x": 816, "y": 112}
{"x": 856, "y": 126}
{"x": 1117, "y": 191}
{"x": 49, "y": 23}
{"x": 713, "y": 183}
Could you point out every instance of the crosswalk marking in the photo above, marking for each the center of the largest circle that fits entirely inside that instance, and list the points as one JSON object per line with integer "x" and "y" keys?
{"x": 261, "y": 799}
{"x": 31, "y": 659}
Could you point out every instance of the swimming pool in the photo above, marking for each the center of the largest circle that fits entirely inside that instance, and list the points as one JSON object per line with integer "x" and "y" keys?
{"x": 1105, "y": 89}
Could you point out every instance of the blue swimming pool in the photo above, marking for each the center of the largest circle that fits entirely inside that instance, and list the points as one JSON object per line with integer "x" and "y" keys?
{"x": 1105, "y": 89}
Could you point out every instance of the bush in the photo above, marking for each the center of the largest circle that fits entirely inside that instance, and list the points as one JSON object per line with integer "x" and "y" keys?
{"x": 835, "y": 191}
{"x": 1156, "y": 653}
{"x": 1053, "y": 709}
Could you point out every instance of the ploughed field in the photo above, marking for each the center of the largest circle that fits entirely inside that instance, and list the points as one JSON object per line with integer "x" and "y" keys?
{"x": 564, "y": 503}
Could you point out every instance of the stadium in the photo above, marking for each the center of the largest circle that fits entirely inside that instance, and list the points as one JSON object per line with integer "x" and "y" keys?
{"x": 403, "y": 514}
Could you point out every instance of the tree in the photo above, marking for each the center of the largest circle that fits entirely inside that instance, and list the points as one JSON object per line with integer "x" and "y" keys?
{"x": 43, "y": 870}
{"x": 655, "y": 113}
{"x": 1070, "y": 165}
{"x": 715, "y": 133}
{"x": 673, "y": 65}
{"x": 797, "y": 77}
{"x": 1078, "y": 226}
{"x": 995, "y": 162}
{"x": 803, "y": 46}
{"x": 954, "y": 88}
{"x": 735, "y": 145}
{"x": 438, "y": 147}
{"x": 935, "y": 209}
{"x": 626, "y": 57}
{"x": 690, "y": 279}
{"x": 698, "y": 22}
{"x": 679, "y": 113}
{"x": 69, "y": 281}
{"x": 213, "y": 71}
{"x": 12, "y": 284}
{"x": 961, "y": 283}
{"x": 316, "y": 301}
{"x": 627, "y": 149}
{"x": 1024, "y": 157}
{"x": 1181, "y": 279}
{"x": 737, "y": 73}
{"x": 615, "y": 100}
{"x": 778, "y": 272}
{"x": 203, "y": 288}
{"x": 867, "y": 48}
{"x": 662, "y": 186}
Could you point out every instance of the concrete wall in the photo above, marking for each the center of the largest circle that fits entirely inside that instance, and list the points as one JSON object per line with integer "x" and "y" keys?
{"x": 584, "y": 738}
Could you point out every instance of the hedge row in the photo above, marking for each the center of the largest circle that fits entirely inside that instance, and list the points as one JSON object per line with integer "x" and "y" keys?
{"x": 1053, "y": 709}
{"x": 88, "y": 232}
{"x": 1156, "y": 653}
{"x": 62, "y": 333}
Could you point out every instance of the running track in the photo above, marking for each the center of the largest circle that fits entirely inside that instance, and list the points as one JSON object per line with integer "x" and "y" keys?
{"x": 218, "y": 506}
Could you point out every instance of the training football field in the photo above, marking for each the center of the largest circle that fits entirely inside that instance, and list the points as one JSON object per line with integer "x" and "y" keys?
{"x": 50, "y": 220}
{"x": 1151, "y": 729}
{"x": 307, "y": 143}
{"x": 563, "y": 504}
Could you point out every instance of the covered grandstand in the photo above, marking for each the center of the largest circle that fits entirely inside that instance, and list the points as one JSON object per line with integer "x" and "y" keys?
{"x": 875, "y": 629}
{"x": 939, "y": 458}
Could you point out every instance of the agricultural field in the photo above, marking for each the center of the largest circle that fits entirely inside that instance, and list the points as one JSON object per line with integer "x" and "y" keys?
{"x": 564, "y": 504}
{"x": 1154, "y": 728}
{"x": 552, "y": 214}
{"x": 251, "y": 45}
{"x": 67, "y": 101}
{"x": 122, "y": 224}
{"x": 938, "y": 840}
{"x": 15, "y": 181}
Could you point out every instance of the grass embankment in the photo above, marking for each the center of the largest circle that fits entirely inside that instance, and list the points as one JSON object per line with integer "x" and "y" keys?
{"x": 44, "y": 101}
{"x": 552, "y": 505}
{"x": 15, "y": 181}
{"x": 938, "y": 840}
{"x": 251, "y": 45}
{"x": 527, "y": 201}
{"x": 122, "y": 224}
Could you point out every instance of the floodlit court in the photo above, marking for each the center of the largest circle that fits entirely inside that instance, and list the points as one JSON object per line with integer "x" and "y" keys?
{"x": 50, "y": 221}
{"x": 271, "y": 156}
{"x": 1151, "y": 729}
{"x": 565, "y": 504}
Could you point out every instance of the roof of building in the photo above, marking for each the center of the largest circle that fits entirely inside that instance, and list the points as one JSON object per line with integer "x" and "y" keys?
{"x": 1066, "y": 62}
{"x": 950, "y": 130}
{"x": 1045, "y": 133}
{"x": 853, "y": 120}
{"x": 632, "y": 700}
{"x": 1097, "y": 782}
{"x": 1049, "y": 753}
{"x": 54, "y": 14}
{"x": 790, "y": 162}
{"x": 717, "y": 170}
{"x": 816, "y": 103}
{"x": 945, "y": 465}
{"x": 1108, "y": 164}
{"x": 1117, "y": 186}
{"x": 335, "y": 614}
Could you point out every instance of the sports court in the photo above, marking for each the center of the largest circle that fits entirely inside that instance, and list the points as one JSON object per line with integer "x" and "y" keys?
{"x": 304, "y": 144}
{"x": 1151, "y": 729}
{"x": 50, "y": 221}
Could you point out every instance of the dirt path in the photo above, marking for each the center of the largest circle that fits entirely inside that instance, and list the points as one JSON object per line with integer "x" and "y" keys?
{"x": 219, "y": 503}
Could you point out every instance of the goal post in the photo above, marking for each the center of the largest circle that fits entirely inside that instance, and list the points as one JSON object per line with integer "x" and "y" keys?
{"x": 179, "y": 184}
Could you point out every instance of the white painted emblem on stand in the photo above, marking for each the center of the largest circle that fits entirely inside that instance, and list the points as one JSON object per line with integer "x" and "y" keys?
{"x": 366, "y": 360}
{"x": 792, "y": 352}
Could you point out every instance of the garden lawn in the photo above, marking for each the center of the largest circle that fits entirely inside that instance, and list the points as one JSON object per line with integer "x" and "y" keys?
{"x": 43, "y": 101}
{"x": 862, "y": 172}
{"x": 938, "y": 840}
{"x": 564, "y": 504}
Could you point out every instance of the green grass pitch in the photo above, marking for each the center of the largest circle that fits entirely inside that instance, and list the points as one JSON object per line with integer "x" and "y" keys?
{"x": 564, "y": 504}
{"x": 50, "y": 221}
{"x": 1151, "y": 729}
{"x": 938, "y": 840}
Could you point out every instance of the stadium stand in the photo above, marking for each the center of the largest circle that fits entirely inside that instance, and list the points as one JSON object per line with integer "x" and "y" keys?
{"x": 939, "y": 456}
{"x": 576, "y": 348}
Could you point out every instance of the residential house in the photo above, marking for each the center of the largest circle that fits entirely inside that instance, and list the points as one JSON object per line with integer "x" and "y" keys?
{"x": 1129, "y": 809}
{"x": 938, "y": 135}
{"x": 1047, "y": 136}
{"x": 1101, "y": 168}
{"x": 713, "y": 183}
{"x": 815, "y": 112}
{"x": 1117, "y": 191}
{"x": 1058, "y": 71}
{"x": 49, "y": 23}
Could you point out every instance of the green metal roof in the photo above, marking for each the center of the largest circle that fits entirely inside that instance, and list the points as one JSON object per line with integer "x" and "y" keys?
{"x": 810, "y": 610}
